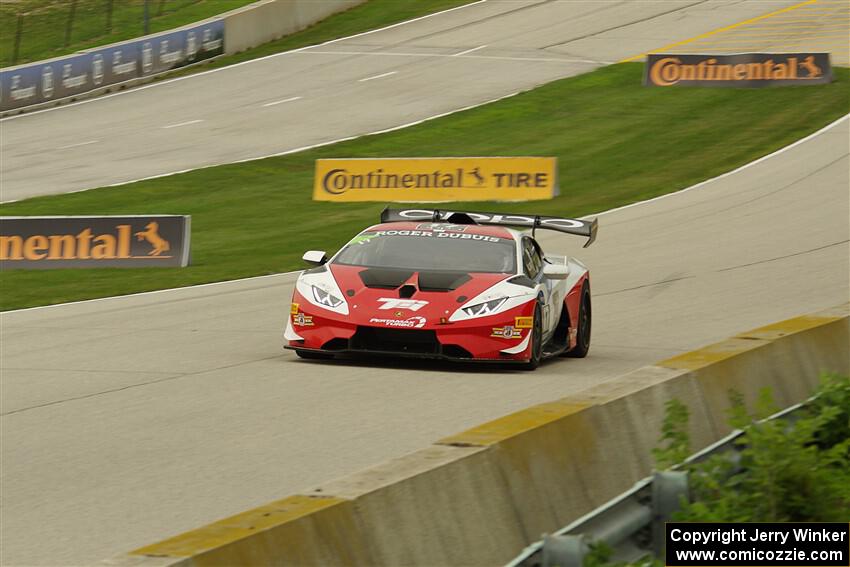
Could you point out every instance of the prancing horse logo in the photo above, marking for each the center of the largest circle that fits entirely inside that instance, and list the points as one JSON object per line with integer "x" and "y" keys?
{"x": 151, "y": 234}
{"x": 809, "y": 65}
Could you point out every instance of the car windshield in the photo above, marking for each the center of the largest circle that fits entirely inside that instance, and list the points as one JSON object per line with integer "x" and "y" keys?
{"x": 430, "y": 250}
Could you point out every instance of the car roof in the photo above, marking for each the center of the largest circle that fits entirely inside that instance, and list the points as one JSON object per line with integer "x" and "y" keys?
{"x": 425, "y": 226}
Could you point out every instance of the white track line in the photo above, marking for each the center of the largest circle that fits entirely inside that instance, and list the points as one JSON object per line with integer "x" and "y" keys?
{"x": 311, "y": 52}
{"x": 179, "y": 124}
{"x": 372, "y": 78}
{"x": 692, "y": 187}
{"x": 495, "y": 57}
{"x": 300, "y": 49}
{"x": 284, "y": 152}
{"x": 150, "y": 292}
{"x": 294, "y": 150}
{"x": 77, "y": 145}
{"x": 469, "y": 51}
{"x": 282, "y": 101}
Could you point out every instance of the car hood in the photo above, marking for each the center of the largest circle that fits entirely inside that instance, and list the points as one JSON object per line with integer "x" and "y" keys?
{"x": 390, "y": 294}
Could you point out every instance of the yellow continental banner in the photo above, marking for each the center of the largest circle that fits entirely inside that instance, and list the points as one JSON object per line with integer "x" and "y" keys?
{"x": 422, "y": 180}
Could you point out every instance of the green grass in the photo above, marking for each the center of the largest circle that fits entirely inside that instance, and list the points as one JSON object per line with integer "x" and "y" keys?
{"x": 45, "y": 23}
{"x": 616, "y": 141}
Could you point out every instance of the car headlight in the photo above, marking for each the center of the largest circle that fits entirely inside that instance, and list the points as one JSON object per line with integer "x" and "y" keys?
{"x": 323, "y": 297}
{"x": 486, "y": 308}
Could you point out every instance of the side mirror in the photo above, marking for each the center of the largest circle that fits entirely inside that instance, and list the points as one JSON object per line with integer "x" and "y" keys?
{"x": 317, "y": 257}
{"x": 556, "y": 271}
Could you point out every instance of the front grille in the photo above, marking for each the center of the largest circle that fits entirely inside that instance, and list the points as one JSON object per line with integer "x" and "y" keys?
{"x": 336, "y": 344}
{"x": 456, "y": 351}
{"x": 415, "y": 341}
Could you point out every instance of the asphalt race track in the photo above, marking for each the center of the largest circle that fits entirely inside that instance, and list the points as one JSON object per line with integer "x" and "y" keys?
{"x": 127, "y": 420}
{"x": 364, "y": 84}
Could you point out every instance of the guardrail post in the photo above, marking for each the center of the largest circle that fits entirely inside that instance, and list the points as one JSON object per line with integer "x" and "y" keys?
{"x": 668, "y": 488}
{"x": 109, "y": 16}
{"x": 70, "y": 24}
{"x": 147, "y": 17}
{"x": 564, "y": 550}
{"x": 19, "y": 30}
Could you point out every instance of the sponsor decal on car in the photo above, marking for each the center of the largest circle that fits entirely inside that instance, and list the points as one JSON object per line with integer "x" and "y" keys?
{"x": 398, "y": 303}
{"x": 293, "y": 308}
{"x": 555, "y": 223}
{"x": 302, "y": 320}
{"x": 523, "y": 322}
{"x": 441, "y": 227}
{"x": 506, "y": 332}
{"x": 435, "y": 234}
{"x": 363, "y": 238}
{"x": 414, "y": 322}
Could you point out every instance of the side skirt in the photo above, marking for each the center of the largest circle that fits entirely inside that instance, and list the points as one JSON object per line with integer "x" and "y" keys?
{"x": 552, "y": 350}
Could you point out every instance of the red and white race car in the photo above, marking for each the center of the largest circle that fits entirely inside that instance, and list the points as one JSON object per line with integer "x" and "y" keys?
{"x": 443, "y": 284}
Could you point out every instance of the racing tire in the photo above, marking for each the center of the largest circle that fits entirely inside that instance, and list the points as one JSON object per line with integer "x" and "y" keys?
{"x": 310, "y": 355}
{"x": 584, "y": 320}
{"x": 536, "y": 345}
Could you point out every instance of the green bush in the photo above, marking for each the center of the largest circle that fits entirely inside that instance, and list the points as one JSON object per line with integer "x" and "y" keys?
{"x": 834, "y": 393}
{"x": 786, "y": 470}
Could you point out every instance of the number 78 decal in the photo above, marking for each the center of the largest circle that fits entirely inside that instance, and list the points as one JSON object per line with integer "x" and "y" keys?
{"x": 397, "y": 303}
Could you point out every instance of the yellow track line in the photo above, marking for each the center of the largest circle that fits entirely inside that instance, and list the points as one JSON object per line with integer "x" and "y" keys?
{"x": 837, "y": 25}
{"x": 726, "y": 28}
{"x": 750, "y": 39}
{"x": 789, "y": 39}
{"x": 822, "y": 19}
{"x": 781, "y": 35}
{"x": 793, "y": 31}
{"x": 736, "y": 50}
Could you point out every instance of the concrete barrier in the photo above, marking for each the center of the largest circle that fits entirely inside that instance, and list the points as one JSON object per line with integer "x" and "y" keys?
{"x": 478, "y": 497}
{"x": 269, "y": 20}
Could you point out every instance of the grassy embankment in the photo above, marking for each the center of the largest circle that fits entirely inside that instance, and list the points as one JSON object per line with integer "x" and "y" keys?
{"x": 616, "y": 141}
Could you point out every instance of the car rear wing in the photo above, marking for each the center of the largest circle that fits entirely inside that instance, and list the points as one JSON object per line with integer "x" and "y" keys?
{"x": 569, "y": 226}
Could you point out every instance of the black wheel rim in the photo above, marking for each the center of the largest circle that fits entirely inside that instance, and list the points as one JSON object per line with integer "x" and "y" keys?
{"x": 584, "y": 321}
{"x": 537, "y": 336}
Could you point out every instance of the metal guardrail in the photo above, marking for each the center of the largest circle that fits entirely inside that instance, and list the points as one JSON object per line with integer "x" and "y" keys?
{"x": 631, "y": 524}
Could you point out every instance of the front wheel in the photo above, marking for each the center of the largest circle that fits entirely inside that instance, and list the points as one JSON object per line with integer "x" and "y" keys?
{"x": 536, "y": 340}
{"x": 584, "y": 320}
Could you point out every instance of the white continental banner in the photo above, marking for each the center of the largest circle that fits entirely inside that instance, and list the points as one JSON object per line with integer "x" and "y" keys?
{"x": 422, "y": 180}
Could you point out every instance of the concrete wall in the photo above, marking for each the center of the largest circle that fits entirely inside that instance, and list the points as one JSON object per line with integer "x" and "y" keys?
{"x": 478, "y": 497}
{"x": 268, "y": 20}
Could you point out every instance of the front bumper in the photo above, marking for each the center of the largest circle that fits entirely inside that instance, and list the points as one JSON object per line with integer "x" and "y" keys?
{"x": 426, "y": 356}
{"x": 503, "y": 337}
